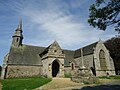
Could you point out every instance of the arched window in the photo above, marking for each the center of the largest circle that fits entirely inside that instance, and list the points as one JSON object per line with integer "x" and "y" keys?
{"x": 72, "y": 66}
{"x": 102, "y": 60}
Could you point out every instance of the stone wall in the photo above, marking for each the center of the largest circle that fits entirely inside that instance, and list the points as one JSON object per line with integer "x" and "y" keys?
{"x": 93, "y": 61}
{"x": 14, "y": 71}
{"x": 47, "y": 66}
{"x": 69, "y": 71}
{"x": 104, "y": 72}
{"x": 88, "y": 61}
{"x": 54, "y": 53}
{"x": 109, "y": 61}
{"x": 85, "y": 80}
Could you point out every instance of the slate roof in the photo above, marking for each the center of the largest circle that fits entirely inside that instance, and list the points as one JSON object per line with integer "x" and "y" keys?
{"x": 87, "y": 50}
{"x": 45, "y": 51}
{"x": 69, "y": 56}
{"x": 29, "y": 55}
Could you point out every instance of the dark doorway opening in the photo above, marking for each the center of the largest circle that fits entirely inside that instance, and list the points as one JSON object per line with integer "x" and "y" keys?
{"x": 5, "y": 73}
{"x": 72, "y": 66}
{"x": 93, "y": 68}
{"x": 93, "y": 71}
{"x": 55, "y": 68}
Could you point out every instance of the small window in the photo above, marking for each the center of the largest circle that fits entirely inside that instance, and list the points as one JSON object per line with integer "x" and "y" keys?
{"x": 72, "y": 66}
{"x": 17, "y": 39}
{"x": 55, "y": 51}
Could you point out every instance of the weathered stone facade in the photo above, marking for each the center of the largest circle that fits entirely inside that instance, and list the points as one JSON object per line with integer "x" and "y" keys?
{"x": 53, "y": 54}
{"x": 108, "y": 61}
{"x": 52, "y": 61}
{"x": 14, "y": 71}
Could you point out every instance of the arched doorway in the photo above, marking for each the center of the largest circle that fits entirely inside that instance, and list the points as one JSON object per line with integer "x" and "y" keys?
{"x": 102, "y": 60}
{"x": 55, "y": 68}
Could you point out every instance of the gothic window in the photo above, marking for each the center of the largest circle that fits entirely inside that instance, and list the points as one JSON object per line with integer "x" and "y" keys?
{"x": 72, "y": 66}
{"x": 102, "y": 60}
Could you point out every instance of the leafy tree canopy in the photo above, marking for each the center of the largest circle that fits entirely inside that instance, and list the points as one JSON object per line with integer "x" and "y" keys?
{"x": 113, "y": 45}
{"x": 105, "y": 13}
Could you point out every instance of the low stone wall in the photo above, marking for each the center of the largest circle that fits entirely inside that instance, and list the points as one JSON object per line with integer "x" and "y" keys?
{"x": 69, "y": 71}
{"x": 104, "y": 73}
{"x": 79, "y": 79}
{"x": 118, "y": 72}
{"x": 15, "y": 71}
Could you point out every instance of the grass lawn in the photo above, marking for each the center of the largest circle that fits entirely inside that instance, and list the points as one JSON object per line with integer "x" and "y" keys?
{"x": 24, "y": 83}
{"x": 110, "y": 77}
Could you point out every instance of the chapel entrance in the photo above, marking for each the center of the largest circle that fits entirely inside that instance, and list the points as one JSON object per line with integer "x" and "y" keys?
{"x": 55, "y": 68}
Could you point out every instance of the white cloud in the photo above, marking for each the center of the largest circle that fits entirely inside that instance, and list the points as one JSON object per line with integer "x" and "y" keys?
{"x": 77, "y": 3}
{"x": 54, "y": 20}
{"x": 60, "y": 26}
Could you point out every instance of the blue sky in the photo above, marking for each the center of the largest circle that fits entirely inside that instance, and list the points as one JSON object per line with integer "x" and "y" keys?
{"x": 47, "y": 20}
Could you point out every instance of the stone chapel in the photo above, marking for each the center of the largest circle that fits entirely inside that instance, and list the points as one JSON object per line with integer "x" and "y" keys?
{"x": 26, "y": 61}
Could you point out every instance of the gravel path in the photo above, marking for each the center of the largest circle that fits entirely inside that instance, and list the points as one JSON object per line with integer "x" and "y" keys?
{"x": 60, "y": 84}
{"x": 67, "y": 84}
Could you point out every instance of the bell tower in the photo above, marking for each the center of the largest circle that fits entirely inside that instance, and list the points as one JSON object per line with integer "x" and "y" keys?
{"x": 17, "y": 37}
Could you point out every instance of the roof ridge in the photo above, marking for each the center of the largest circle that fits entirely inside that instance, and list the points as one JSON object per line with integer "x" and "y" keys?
{"x": 33, "y": 45}
{"x": 68, "y": 50}
{"x": 87, "y": 45}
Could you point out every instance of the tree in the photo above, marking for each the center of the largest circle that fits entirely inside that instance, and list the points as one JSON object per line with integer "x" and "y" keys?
{"x": 105, "y": 13}
{"x": 113, "y": 45}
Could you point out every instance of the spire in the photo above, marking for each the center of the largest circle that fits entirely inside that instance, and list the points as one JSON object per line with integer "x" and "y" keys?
{"x": 19, "y": 31}
{"x": 18, "y": 36}
{"x": 20, "y": 25}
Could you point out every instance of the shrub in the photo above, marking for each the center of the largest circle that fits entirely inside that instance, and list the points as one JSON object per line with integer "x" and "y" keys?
{"x": 67, "y": 75}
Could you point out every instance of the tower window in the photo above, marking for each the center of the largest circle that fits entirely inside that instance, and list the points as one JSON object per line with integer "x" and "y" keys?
{"x": 17, "y": 39}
